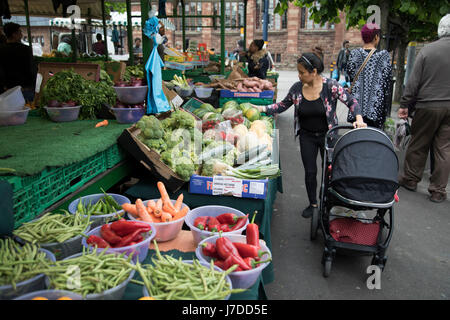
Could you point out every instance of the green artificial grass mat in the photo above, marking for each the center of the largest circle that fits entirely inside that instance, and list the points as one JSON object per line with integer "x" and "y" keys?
{"x": 41, "y": 143}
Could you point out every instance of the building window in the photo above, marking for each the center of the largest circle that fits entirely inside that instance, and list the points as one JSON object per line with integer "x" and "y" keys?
{"x": 276, "y": 22}
{"x": 234, "y": 15}
{"x": 278, "y": 58}
{"x": 310, "y": 24}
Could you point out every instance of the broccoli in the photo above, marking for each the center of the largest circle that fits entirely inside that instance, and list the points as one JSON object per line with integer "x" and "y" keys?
{"x": 196, "y": 135}
{"x": 156, "y": 144}
{"x": 214, "y": 167}
{"x": 183, "y": 119}
{"x": 152, "y": 128}
{"x": 168, "y": 156}
{"x": 184, "y": 167}
{"x": 168, "y": 123}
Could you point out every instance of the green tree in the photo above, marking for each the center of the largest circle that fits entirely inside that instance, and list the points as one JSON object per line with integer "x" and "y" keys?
{"x": 408, "y": 20}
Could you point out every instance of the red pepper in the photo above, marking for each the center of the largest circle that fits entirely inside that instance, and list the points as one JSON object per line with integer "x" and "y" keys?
{"x": 240, "y": 223}
{"x": 248, "y": 250}
{"x": 209, "y": 250}
{"x": 213, "y": 224}
{"x": 220, "y": 264}
{"x": 138, "y": 238}
{"x": 97, "y": 241}
{"x": 253, "y": 263}
{"x": 252, "y": 232}
{"x": 109, "y": 235}
{"x": 236, "y": 259}
{"x": 225, "y": 227}
{"x": 228, "y": 218}
{"x": 201, "y": 222}
{"x": 129, "y": 238}
{"x": 226, "y": 248}
{"x": 123, "y": 227}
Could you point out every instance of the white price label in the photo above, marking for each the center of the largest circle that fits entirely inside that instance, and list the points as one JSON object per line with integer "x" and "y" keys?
{"x": 227, "y": 185}
{"x": 257, "y": 188}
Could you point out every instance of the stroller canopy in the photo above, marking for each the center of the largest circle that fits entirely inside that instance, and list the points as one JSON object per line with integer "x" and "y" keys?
{"x": 365, "y": 166}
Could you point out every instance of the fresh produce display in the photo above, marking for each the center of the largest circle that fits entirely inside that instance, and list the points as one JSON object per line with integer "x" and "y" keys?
{"x": 181, "y": 82}
{"x": 253, "y": 84}
{"x": 71, "y": 88}
{"x": 106, "y": 205}
{"x": 121, "y": 233}
{"x": 227, "y": 254}
{"x": 54, "y": 227}
{"x": 133, "y": 82}
{"x": 225, "y": 222}
{"x": 162, "y": 210}
{"x": 134, "y": 72}
{"x": 20, "y": 263}
{"x": 98, "y": 272}
{"x": 170, "y": 279}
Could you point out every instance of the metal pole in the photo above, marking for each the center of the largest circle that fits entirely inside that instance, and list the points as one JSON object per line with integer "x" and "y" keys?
{"x": 74, "y": 46}
{"x": 245, "y": 24}
{"x": 130, "y": 33}
{"x": 410, "y": 60}
{"x": 183, "y": 24}
{"x": 266, "y": 19}
{"x": 27, "y": 15}
{"x": 222, "y": 36}
{"x": 105, "y": 33}
{"x": 146, "y": 42}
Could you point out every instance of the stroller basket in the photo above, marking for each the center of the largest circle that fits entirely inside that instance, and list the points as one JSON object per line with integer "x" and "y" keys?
{"x": 365, "y": 166}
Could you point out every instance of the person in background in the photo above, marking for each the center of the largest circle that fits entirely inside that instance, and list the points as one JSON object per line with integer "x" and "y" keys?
{"x": 315, "y": 99}
{"x": 162, "y": 45}
{"x": 427, "y": 91}
{"x": 115, "y": 39}
{"x": 238, "y": 50}
{"x": 373, "y": 85}
{"x": 137, "y": 46}
{"x": 342, "y": 59}
{"x": 99, "y": 46}
{"x": 17, "y": 67}
{"x": 65, "y": 46}
{"x": 258, "y": 61}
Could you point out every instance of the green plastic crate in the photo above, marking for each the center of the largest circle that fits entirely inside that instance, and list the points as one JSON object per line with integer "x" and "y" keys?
{"x": 114, "y": 155}
{"x": 34, "y": 194}
{"x": 168, "y": 74}
{"x": 257, "y": 101}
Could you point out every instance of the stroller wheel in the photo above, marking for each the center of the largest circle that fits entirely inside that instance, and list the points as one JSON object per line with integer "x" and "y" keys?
{"x": 314, "y": 224}
{"x": 327, "y": 268}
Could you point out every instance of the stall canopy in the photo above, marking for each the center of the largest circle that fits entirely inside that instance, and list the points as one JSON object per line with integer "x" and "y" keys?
{"x": 44, "y": 8}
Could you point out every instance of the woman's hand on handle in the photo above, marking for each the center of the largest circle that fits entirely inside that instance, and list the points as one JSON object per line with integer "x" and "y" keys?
{"x": 359, "y": 123}
{"x": 260, "y": 108}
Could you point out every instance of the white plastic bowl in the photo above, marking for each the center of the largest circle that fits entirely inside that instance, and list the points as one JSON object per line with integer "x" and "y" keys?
{"x": 12, "y": 99}
{"x": 146, "y": 294}
{"x": 14, "y": 118}
{"x": 203, "y": 92}
{"x": 165, "y": 231}
{"x": 63, "y": 114}
{"x": 131, "y": 95}
{"x": 240, "y": 279}
{"x": 183, "y": 93}
{"x": 212, "y": 211}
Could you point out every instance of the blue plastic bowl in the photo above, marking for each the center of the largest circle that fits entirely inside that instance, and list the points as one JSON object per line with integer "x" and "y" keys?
{"x": 98, "y": 220}
{"x": 128, "y": 115}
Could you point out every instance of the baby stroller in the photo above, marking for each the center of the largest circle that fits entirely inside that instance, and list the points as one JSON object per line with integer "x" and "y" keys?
{"x": 359, "y": 178}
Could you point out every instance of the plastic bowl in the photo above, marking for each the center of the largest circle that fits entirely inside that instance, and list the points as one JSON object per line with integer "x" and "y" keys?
{"x": 14, "y": 118}
{"x": 36, "y": 283}
{"x": 63, "y": 114}
{"x": 139, "y": 250}
{"x": 94, "y": 198}
{"x": 67, "y": 248}
{"x": 203, "y": 92}
{"x": 240, "y": 279}
{"x": 50, "y": 295}
{"x": 128, "y": 115}
{"x": 212, "y": 211}
{"x": 203, "y": 263}
{"x": 217, "y": 77}
{"x": 184, "y": 92}
{"x": 165, "y": 231}
{"x": 115, "y": 293}
{"x": 131, "y": 95}
{"x": 12, "y": 99}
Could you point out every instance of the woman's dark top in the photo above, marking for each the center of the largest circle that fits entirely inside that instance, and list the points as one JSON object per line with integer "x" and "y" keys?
{"x": 312, "y": 116}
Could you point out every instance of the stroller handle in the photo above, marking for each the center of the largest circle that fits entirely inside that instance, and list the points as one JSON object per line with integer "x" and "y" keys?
{"x": 347, "y": 126}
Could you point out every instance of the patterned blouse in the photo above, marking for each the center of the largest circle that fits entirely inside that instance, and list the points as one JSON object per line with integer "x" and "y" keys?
{"x": 331, "y": 92}
{"x": 373, "y": 86}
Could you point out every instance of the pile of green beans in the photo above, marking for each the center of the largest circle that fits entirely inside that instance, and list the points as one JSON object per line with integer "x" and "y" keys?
{"x": 97, "y": 272}
{"x": 20, "y": 263}
{"x": 105, "y": 205}
{"x": 53, "y": 228}
{"x": 171, "y": 279}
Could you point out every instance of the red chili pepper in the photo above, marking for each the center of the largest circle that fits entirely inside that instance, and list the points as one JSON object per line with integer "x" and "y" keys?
{"x": 97, "y": 241}
{"x": 109, "y": 235}
{"x": 209, "y": 250}
{"x": 228, "y": 218}
{"x": 129, "y": 238}
{"x": 225, "y": 227}
{"x": 213, "y": 224}
{"x": 226, "y": 248}
{"x": 240, "y": 223}
{"x": 220, "y": 264}
{"x": 138, "y": 238}
{"x": 252, "y": 232}
{"x": 201, "y": 222}
{"x": 236, "y": 259}
{"x": 248, "y": 250}
{"x": 123, "y": 227}
{"x": 253, "y": 263}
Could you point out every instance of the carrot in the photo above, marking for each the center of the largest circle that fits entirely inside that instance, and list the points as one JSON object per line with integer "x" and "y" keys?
{"x": 168, "y": 209}
{"x": 164, "y": 195}
{"x": 151, "y": 205}
{"x": 142, "y": 211}
{"x": 130, "y": 208}
{"x": 179, "y": 202}
{"x": 103, "y": 123}
{"x": 155, "y": 218}
{"x": 166, "y": 217}
{"x": 180, "y": 214}
{"x": 158, "y": 208}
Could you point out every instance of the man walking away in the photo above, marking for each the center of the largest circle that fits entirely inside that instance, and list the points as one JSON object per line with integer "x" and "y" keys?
{"x": 341, "y": 62}
{"x": 427, "y": 92}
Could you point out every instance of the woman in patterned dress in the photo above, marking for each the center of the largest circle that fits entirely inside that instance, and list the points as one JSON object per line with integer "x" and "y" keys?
{"x": 315, "y": 99}
{"x": 373, "y": 86}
